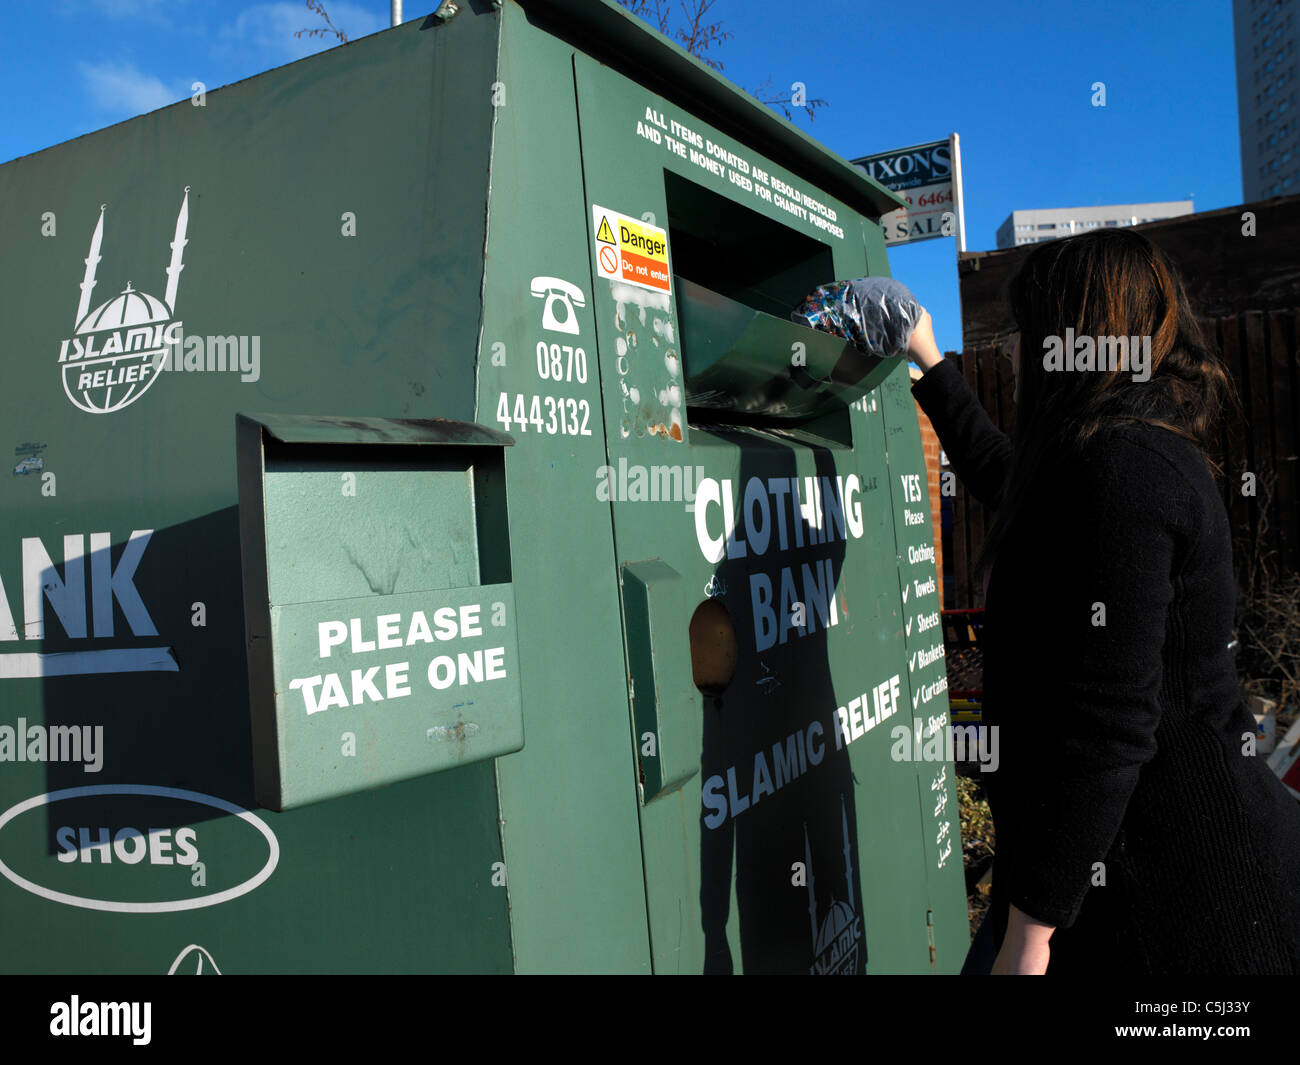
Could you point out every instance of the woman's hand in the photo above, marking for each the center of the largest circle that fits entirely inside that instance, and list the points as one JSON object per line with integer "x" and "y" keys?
{"x": 921, "y": 346}
{"x": 1024, "y": 948}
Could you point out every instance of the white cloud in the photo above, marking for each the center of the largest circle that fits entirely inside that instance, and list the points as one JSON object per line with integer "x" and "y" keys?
{"x": 158, "y": 12}
{"x": 120, "y": 87}
{"x": 127, "y": 8}
{"x": 270, "y": 27}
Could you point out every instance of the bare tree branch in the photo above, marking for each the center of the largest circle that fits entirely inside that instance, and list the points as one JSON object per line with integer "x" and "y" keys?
{"x": 651, "y": 11}
{"x": 1268, "y": 605}
{"x": 768, "y": 94}
{"x": 697, "y": 34}
{"x": 694, "y": 34}
{"x": 321, "y": 31}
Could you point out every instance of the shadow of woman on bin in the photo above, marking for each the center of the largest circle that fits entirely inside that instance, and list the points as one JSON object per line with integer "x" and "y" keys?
{"x": 778, "y": 823}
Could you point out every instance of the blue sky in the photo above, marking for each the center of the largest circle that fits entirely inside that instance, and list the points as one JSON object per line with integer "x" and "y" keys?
{"x": 1012, "y": 78}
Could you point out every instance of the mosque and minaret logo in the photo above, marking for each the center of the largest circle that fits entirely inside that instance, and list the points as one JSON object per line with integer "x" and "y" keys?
{"x": 118, "y": 348}
{"x": 837, "y": 936}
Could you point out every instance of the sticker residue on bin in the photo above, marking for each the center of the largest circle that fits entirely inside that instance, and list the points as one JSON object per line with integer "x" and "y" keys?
{"x": 630, "y": 250}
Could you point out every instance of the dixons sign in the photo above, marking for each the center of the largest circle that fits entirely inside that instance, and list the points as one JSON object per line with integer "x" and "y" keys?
{"x": 928, "y": 176}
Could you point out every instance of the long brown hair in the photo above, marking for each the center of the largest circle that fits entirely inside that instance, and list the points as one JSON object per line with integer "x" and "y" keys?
{"x": 1105, "y": 283}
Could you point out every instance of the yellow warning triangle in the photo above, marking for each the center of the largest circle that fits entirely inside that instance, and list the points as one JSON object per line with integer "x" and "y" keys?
{"x": 604, "y": 233}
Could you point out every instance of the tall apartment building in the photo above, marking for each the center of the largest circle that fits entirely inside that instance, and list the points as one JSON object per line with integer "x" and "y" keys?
{"x": 1266, "y": 53}
{"x": 1030, "y": 227}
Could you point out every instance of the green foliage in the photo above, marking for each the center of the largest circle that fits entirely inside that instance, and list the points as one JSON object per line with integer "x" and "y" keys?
{"x": 977, "y": 837}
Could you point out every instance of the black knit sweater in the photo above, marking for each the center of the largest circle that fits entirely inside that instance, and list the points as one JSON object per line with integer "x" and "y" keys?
{"x": 1127, "y": 813}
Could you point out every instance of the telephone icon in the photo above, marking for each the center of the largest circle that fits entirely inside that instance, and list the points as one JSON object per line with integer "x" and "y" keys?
{"x": 559, "y": 293}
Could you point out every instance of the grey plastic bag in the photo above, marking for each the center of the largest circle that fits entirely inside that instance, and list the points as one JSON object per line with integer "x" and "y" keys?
{"x": 875, "y": 314}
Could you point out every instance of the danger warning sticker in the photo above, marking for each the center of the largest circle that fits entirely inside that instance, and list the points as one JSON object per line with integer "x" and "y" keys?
{"x": 630, "y": 250}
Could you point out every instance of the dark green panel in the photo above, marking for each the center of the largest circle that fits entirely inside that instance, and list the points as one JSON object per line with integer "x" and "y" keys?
{"x": 926, "y": 685}
{"x": 664, "y": 701}
{"x": 568, "y": 799}
{"x": 385, "y": 134}
{"x": 794, "y": 848}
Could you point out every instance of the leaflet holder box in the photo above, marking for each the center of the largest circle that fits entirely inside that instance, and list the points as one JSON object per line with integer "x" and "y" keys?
{"x": 378, "y": 604}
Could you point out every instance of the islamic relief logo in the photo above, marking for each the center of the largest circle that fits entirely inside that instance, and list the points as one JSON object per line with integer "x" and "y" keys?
{"x": 118, "y": 348}
{"x": 835, "y": 939}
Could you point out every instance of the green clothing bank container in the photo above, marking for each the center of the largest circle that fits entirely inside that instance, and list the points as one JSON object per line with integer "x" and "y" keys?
{"x": 430, "y": 546}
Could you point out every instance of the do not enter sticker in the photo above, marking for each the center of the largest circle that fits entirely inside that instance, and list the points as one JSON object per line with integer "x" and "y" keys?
{"x": 630, "y": 250}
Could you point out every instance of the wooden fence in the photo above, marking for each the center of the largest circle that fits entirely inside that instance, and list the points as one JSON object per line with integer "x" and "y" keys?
{"x": 1258, "y": 449}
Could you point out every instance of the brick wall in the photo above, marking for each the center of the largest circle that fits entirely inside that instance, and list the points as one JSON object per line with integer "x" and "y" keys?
{"x": 930, "y": 445}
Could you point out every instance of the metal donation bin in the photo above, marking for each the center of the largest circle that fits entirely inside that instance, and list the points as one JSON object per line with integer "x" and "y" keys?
{"x": 431, "y": 546}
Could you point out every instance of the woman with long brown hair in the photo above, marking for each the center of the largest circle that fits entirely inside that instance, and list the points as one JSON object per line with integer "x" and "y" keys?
{"x": 1137, "y": 831}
